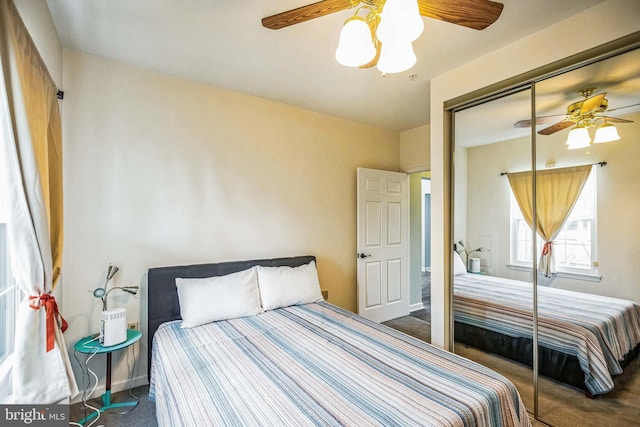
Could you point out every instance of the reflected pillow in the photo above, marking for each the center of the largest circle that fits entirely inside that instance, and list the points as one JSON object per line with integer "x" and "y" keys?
{"x": 285, "y": 286}
{"x": 218, "y": 298}
{"x": 458, "y": 265}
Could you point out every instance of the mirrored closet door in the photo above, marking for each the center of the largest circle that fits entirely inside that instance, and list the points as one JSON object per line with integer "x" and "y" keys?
{"x": 545, "y": 221}
{"x": 589, "y": 172}
{"x": 492, "y": 300}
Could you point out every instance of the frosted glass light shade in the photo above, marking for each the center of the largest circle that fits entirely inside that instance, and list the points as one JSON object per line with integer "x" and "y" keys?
{"x": 355, "y": 46}
{"x": 400, "y": 20}
{"x": 386, "y": 31}
{"x": 396, "y": 57}
{"x": 578, "y": 138}
{"x": 606, "y": 133}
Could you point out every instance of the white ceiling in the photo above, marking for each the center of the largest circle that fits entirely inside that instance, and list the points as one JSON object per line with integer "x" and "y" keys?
{"x": 223, "y": 43}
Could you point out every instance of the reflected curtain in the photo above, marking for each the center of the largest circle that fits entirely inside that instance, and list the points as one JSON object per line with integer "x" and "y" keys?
{"x": 557, "y": 191}
{"x": 32, "y": 157}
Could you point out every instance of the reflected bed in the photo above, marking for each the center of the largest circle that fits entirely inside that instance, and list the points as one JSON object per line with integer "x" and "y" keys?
{"x": 585, "y": 340}
{"x": 310, "y": 364}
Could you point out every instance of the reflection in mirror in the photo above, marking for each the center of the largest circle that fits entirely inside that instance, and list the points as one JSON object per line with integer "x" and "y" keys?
{"x": 583, "y": 248}
{"x": 493, "y": 304}
{"x": 588, "y": 292}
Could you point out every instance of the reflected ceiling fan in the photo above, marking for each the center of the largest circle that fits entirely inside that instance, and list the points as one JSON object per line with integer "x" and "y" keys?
{"x": 475, "y": 14}
{"x": 583, "y": 114}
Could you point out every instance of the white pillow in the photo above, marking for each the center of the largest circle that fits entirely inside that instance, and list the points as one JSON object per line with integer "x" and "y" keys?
{"x": 285, "y": 286}
{"x": 218, "y": 298}
{"x": 458, "y": 265}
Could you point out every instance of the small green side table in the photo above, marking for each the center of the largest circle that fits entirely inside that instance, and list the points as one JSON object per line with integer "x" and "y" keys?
{"x": 90, "y": 345}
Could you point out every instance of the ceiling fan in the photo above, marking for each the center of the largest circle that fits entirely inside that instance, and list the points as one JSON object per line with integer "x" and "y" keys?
{"x": 583, "y": 114}
{"x": 475, "y": 14}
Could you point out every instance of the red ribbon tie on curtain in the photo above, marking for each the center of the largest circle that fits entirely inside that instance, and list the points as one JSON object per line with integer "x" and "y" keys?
{"x": 546, "y": 248}
{"x": 51, "y": 307}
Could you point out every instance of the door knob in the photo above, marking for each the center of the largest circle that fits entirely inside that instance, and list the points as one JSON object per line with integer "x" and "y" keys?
{"x": 362, "y": 255}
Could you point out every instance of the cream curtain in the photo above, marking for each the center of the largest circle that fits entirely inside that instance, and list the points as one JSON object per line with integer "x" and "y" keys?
{"x": 32, "y": 164}
{"x": 557, "y": 191}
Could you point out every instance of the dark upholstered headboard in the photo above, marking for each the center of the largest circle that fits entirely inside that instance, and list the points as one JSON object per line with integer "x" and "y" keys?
{"x": 162, "y": 298}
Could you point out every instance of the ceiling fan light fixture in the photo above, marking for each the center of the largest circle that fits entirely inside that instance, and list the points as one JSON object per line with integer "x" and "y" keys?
{"x": 355, "y": 46}
{"x": 405, "y": 18}
{"x": 606, "y": 133}
{"x": 400, "y": 19}
{"x": 578, "y": 138}
{"x": 386, "y": 31}
{"x": 396, "y": 57}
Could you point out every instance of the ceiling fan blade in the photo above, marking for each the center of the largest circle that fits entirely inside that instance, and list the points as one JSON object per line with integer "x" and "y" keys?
{"x": 620, "y": 108}
{"x": 476, "y": 14}
{"x": 305, "y": 13}
{"x": 593, "y": 103}
{"x": 540, "y": 120}
{"x": 615, "y": 119}
{"x": 557, "y": 127}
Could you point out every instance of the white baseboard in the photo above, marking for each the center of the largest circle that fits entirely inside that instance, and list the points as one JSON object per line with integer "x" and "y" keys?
{"x": 115, "y": 387}
{"x": 415, "y": 307}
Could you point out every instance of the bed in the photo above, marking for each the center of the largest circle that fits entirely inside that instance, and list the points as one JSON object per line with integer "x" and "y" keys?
{"x": 584, "y": 340}
{"x": 308, "y": 364}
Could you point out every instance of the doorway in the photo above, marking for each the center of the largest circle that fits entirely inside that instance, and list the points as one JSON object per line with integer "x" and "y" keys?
{"x": 420, "y": 241}
{"x": 418, "y": 323}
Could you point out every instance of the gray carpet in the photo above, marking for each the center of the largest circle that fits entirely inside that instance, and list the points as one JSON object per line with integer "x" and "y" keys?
{"x": 413, "y": 326}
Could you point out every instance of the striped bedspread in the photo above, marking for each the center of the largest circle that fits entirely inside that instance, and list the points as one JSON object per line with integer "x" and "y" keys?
{"x": 317, "y": 364}
{"x": 598, "y": 330}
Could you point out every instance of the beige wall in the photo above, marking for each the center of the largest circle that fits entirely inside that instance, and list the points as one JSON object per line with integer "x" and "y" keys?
{"x": 618, "y": 200}
{"x": 414, "y": 150}
{"x": 613, "y": 18}
{"x": 163, "y": 171}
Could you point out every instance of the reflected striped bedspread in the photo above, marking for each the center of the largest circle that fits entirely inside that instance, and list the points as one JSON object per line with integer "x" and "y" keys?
{"x": 317, "y": 364}
{"x": 598, "y": 330}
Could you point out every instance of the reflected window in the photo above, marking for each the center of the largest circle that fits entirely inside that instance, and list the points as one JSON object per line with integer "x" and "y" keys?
{"x": 574, "y": 247}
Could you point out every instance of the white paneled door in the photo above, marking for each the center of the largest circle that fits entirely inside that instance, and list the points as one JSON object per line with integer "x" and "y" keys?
{"x": 383, "y": 247}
